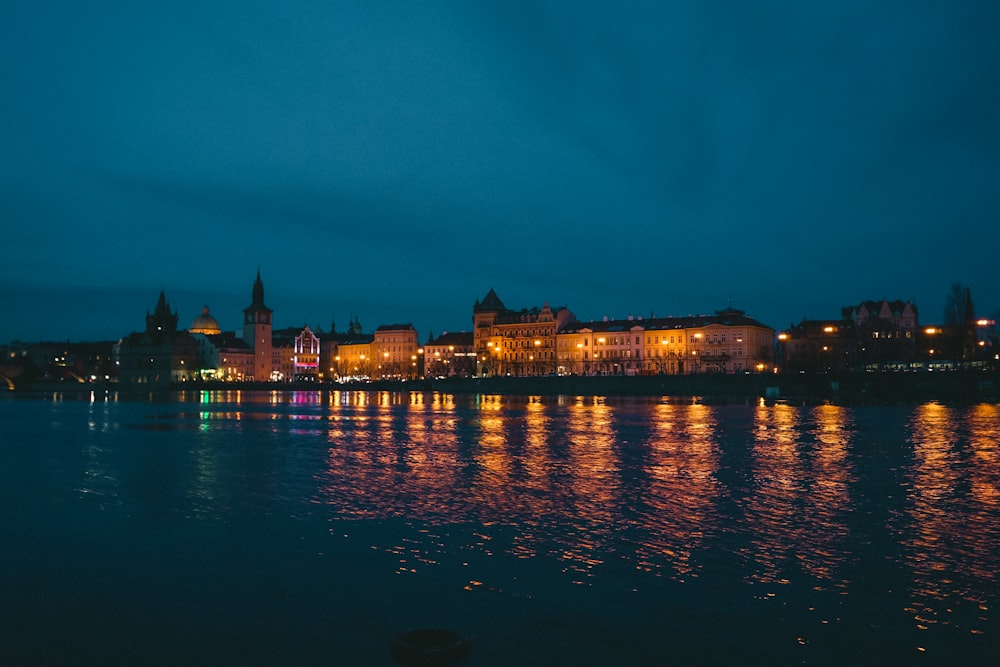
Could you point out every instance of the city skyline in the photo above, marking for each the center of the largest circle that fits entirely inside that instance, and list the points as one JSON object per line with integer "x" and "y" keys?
{"x": 235, "y": 324}
{"x": 394, "y": 162}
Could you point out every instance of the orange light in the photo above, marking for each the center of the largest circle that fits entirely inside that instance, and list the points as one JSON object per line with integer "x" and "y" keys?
{"x": 829, "y": 329}
{"x": 931, "y": 330}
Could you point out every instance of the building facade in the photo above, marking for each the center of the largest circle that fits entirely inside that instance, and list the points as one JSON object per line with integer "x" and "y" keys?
{"x": 158, "y": 355}
{"x": 726, "y": 342}
{"x": 516, "y": 343}
{"x": 396, "y": 352}
{"x": 452, "y": 354}
{"x": 257, "y": 332}
{"x": 306, "y": 360}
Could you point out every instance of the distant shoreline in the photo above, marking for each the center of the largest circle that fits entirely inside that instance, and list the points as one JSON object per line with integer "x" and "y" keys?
{"x": 846, "y": 388}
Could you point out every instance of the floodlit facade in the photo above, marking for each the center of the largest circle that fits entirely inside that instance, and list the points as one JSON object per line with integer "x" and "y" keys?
{"x": 516, "y": 343}
{"x": 354, "y": 358}
{"x": 450, "y": 355}
{"x": 306, "y": 358}
{"x": 396, "y": 350}
{"x": 726, "y": 342}
{"x": 503, "y": 342}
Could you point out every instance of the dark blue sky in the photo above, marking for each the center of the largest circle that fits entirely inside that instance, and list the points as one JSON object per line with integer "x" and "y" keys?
{"x": 395, "y": 160}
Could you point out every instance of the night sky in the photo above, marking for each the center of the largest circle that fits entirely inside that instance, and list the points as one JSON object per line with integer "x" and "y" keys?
{"x": 396, "y": 160}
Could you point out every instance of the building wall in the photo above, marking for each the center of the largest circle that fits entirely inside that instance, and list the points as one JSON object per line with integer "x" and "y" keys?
{"x": 305, "y": 361}
{"x": 355, "y": 359}
{"x": 395, "y": 352}
{"x": 450, "y": 355}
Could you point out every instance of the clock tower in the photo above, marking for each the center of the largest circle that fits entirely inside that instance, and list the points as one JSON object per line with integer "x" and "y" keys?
{"x": 257, "y": 332}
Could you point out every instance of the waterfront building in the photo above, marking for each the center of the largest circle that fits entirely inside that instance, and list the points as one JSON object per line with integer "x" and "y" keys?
{"x": 886, "y": 332}
{"x": 395, "y": 349}
{"x": 508, "y": 342}
{"x": 51, "y": 361}
{"x": 224, "y": 356}
{"x": 450, "y": 355}
{"x": 160, "y": 354}
{"x": 726, "y": 342}
{"x": 354, "y": 358}
{"x": 221, "y": 355}
{"x": 608, "y": 347}
{"x": 331, "y": 367}
{"x": 257, "y": 333}
{"x": 283, "y": 354}
{"x": 306, "y": 360}
{"x": 819, "y": 346}
{"x": 665, "y": 347}
{"x": 873, "y": 335}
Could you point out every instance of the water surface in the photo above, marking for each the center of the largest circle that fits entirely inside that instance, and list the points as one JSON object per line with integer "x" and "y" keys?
{"x": 311, "y": 527}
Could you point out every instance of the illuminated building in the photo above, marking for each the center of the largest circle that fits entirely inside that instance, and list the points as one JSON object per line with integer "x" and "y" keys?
{"x": 283, "y": 354}
{"x": 726, "y": 342}
{"x": 509, "y": 342}
{"x": 257, "y": 332}
{"x": 820, "y": 346}
{"x": 354, "y": 357}
{"x": 224, "y": 356}
{"x": 331, "y": 365}
{"x": 886, "y": 332}
{"x": 221, "y": 355}
{"x": 450, "y": 355}
{"x": 395, "y": 351}
{"x": 608, "y": 347}
{"x": 306, "y": 359}
{"x": 205, "y": 324}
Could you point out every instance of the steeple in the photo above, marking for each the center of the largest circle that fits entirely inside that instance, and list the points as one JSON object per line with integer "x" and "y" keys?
{"x": 258, "y": 294}
{"x": 162, "y": 320}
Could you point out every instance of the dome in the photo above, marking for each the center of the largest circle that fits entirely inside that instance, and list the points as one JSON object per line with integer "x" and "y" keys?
{"x": 205, "y": 323}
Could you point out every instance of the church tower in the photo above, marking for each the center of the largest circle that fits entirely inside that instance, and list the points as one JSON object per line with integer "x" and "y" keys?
{"x": 162, "y": 321}
{"x": 257, "y": 332}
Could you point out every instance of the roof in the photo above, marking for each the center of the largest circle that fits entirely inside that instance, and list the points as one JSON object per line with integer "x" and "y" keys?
{"x": 490, "y": 303}
{"x": 457, "y": 338}
{"x": 228, "y": 340}
{"x": 729, "y": 317}
{"x": 395, "y": 327}
{"x": 361, "y": 339}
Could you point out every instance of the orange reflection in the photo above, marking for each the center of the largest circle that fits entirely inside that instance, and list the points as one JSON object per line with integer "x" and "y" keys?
{"x": 953, "y": 507}
{"x": 801, "y": 499}
{"x": 683, "y": 463}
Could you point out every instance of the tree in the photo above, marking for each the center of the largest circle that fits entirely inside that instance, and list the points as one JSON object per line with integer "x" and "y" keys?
{"x": 958, "y": 308}
{"x": 961, "y": 314}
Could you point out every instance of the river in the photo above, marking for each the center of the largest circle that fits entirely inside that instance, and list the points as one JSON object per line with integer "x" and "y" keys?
{"x": 304, "y": 528}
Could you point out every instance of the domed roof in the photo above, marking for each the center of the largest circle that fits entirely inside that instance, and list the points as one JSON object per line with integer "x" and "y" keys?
{"x": 205, "y": 323}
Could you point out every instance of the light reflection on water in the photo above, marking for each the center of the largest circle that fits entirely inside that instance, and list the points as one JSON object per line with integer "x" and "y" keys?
{"x": 950, "y": 541}
{"x": 798, "y": 511}
{"x": 807, "y": 507}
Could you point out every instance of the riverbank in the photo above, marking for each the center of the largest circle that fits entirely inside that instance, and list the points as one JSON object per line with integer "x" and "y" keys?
{"x": 848, "y": 388}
